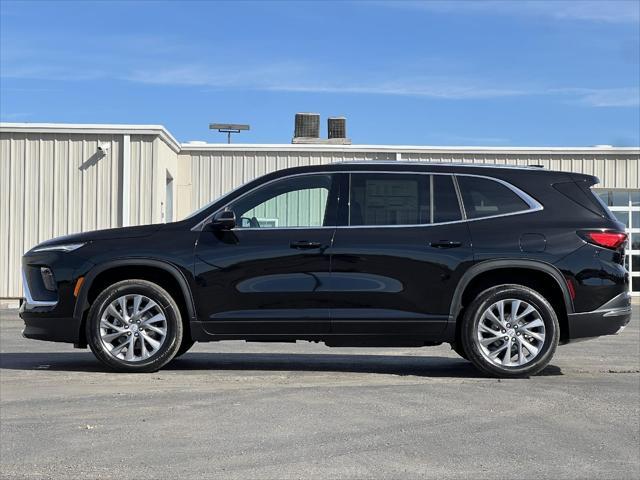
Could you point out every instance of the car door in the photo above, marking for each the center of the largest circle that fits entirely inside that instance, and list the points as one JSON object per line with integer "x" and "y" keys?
{"x": 396, "y": 262}
{"x": 268, "y": 275}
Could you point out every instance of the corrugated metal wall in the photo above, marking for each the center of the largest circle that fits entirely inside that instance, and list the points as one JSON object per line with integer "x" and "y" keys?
{"x": 52, "y": 185}
{"x": 142, "y": 185}
{"x": 214, "y": 173}
{"x": 614, "y": 171}
{"x": 151, "y": 160}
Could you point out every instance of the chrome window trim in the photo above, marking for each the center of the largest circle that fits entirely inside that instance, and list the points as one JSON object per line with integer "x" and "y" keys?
{"x": 463, "y": 209}
{"x": 534, "y": 205}
{"x": 30, "y": 303}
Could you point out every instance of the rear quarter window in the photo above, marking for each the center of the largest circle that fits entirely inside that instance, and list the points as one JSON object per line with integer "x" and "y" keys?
{"x": 483, "y": 197}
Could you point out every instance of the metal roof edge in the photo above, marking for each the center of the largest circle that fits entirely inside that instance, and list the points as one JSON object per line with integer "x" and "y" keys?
{"x": 178, "y": 147}
{"x": 189, "y": 147}
{"x": 94, "y": 128}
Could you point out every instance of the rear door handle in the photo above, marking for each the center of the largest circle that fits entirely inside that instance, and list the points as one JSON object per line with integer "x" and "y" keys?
{"x": 304, "y": 244}
{"x": 445, "y": 244}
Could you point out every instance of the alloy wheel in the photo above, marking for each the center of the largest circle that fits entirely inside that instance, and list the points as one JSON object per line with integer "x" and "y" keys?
{"x": 510, "y": 333}
{"x": 133, "y": 328}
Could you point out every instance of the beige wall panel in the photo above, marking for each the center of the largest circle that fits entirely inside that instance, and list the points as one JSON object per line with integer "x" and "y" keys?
{"x": 56, "y": 183}
{"x": 633, "y": 173}
{"x": 5, "y": 219}
{"x": 184, "y": 186}
{"x": 53, "y": 184}
{"x": 142, "y": 186}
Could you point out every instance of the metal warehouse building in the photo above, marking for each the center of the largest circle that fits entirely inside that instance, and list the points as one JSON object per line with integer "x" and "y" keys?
{"x": 57, "y": 179}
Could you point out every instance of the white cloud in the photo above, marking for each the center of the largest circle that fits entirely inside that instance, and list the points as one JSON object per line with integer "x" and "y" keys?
{"x": 291, "y": 76}
{"x": 412, "y": 87}
{"x": 609, "y": 11}
{"x": 608, "y": 97}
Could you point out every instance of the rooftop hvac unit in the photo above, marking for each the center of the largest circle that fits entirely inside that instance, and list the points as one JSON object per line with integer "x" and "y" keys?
{"x": 307, "y": 125}
{"x": 337, "y": 127}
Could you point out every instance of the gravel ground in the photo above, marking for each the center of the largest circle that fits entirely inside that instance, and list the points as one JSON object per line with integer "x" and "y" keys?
{"x": 241, "y": 410}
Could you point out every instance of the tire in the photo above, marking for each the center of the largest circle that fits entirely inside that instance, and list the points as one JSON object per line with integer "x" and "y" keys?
{"x": 157, "y": 327}
{"x": 185, "y": 346}
{"x": 490, "y": 357}
{"x": 457, "y": 347}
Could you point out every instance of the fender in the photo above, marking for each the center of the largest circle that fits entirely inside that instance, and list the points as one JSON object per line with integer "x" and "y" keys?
{"x": 484, "y": 266}
{"x": 82, "y": 303}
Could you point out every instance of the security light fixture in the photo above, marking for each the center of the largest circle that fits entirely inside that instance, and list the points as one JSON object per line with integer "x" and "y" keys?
{"x": 228, "y": 128}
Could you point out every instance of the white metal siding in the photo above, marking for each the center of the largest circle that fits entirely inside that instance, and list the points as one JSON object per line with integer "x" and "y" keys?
{"x": 141, "y": 194}
{"x": 215, "y": 173}
{"x": 52, "y": 185}
{"x": 150, "y": 160}
{"x": 614, "y": 171}
{"x": 53, "y": 182}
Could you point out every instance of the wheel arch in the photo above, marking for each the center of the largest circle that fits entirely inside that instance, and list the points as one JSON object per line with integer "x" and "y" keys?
{"x": 505, "y": 268}
{"x": 99, "y": 272}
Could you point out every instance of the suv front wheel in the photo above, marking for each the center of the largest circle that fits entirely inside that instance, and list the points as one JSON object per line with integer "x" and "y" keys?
{"x": 134, "y": 326}
{"x": 510, "y": 331}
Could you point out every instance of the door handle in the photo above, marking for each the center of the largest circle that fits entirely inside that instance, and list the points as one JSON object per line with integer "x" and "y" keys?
{"x": 304, "y": 244}
{"x": 445, "y": 244}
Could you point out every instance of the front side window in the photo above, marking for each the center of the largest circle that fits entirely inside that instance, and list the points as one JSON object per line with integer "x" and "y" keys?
{"x": 301, "y": 201}
{"x": 483, "y": 197}
{"x": 402, "y": 199}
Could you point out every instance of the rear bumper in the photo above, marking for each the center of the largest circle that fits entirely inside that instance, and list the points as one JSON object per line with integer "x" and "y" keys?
{"x": 39, "y": 324}
{"x": 609, "y": 319}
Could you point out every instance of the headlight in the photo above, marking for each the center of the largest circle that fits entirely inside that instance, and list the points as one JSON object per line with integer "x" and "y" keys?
{"x": 67, "y": 247}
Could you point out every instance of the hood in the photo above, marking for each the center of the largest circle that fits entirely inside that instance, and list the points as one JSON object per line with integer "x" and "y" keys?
{"x": 108, "y": 234}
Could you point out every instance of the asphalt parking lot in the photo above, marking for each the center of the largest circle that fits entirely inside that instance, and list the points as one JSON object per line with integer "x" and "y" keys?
{"x": 241, "y": 410}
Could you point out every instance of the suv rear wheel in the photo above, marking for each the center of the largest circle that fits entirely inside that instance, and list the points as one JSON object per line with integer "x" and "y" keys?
{"x": 510, "y": 331}
{"x": 134, "y": 326}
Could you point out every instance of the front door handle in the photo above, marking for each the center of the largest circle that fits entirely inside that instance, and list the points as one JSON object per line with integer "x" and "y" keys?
{"x": 445, "y": 244}
{"x": 304, "y": 245}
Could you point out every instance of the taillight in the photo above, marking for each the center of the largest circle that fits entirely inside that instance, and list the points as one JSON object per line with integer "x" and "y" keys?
{"x": 613, "y": 240}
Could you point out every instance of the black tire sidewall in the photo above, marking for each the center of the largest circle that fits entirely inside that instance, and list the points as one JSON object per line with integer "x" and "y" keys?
{"x": 170, "y": 309}
{"x": 487, "y": 298}
{"x": 185, "y": 346}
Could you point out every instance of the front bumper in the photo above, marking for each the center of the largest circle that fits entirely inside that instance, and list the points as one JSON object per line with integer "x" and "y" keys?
{"x": 28, "y": 303}
{"x": 39, "y": 324}
{"x": 609, "y": 319}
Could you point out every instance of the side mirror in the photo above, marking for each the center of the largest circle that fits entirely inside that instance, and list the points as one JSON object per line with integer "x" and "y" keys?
{"x": 225, "y": 220}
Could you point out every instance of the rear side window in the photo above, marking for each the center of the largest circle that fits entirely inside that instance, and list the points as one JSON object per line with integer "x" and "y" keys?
{"x": 402, "y": 199}
{"x": 483, "y": 197}
{"x": 581, "y": 193}
{"x": 445, "y": 200}
{"x": 389, "y": 199}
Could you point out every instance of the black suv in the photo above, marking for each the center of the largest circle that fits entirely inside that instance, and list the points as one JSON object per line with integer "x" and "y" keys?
{"x": 503, "y": 263}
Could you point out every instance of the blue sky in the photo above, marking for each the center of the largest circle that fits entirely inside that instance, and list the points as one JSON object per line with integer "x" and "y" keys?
{"x": 435, "y": 73}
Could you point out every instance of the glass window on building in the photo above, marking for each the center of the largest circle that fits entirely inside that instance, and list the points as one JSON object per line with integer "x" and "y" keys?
{"x": 625, "y": 206}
